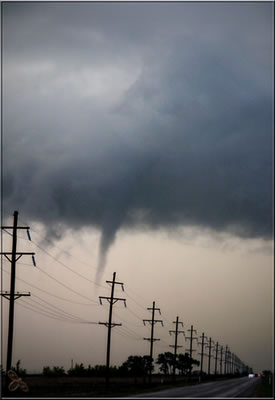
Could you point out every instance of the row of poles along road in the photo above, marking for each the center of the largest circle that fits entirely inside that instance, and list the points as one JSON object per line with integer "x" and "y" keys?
{"x": 225, "y": 361}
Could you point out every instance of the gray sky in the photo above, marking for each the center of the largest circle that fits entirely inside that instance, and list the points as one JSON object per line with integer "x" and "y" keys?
{"x": 138, "y": 137}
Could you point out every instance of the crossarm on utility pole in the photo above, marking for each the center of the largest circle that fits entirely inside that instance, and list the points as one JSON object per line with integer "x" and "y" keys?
{"x": 16, "y": 295}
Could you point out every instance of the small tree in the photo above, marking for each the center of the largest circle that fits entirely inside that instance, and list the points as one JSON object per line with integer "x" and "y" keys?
{"x": 134, "y": 366}
{"x": 148, "y": 364}
{"x": 77, "y": 370}
{"x": 59, "y": 371}
{"x": 90, "y": 371}
{"x": 55, "y": 371}
{"x": 166, "y": 362}
{"x": 185, "y": 362}
{"x": 100, "y": 370}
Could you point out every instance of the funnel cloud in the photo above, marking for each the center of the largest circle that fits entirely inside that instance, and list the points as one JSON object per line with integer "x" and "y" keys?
{"x": 112, "y": 126}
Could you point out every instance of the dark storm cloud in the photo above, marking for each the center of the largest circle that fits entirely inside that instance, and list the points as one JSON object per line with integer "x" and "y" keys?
{"x": 125, "y": 115}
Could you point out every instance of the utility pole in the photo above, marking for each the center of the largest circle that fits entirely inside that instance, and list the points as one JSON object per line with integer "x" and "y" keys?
{"x": 230, "y": 362}
{"x": 225, "y": 360}
{"x": 177, "y": 322}
{"x": 239, "y": 365}
{"x": 216, "y": 357}
{"x": 209, "y": 354}
{"x": 202, "y": 354}
{"x": 191, "y": 338}
{"x": 152, "y": 321}
{"x": 12, "y": 296}
{"x": 237, "y": 368}
{"x": 111, "y": 300}
{"x": 221, "y": 360}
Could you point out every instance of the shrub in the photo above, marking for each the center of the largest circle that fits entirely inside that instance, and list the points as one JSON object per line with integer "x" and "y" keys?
{"x": 55, "y": 371}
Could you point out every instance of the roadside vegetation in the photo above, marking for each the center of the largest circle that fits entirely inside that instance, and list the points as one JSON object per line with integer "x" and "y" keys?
{"x": 132, "y": 376}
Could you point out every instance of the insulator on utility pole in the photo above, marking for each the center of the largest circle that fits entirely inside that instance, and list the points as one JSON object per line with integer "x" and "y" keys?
{"x": 33, "y": 261}
{"x": 29, "y": 235}
{"x": 111, "y": 300}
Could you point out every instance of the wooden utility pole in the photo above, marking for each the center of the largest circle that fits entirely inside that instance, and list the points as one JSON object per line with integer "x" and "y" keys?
{"x": 191, "y": 338}
{"x": 237, "y": 363}
{"x": 176, "y": 332}
{"x": 221, "y": 360}
{"x": 229, "y": 362}
{"x": 202, "y": 354}
{"x": 209, "y": 354}
{"x": 216, "y": 356}
{"x": 225, "y": 360}
{"x": 152, "y": 321}
{"x": 232, "y": 363}
{"x": 12, "y": 296}
{"x": 111, "y": 300}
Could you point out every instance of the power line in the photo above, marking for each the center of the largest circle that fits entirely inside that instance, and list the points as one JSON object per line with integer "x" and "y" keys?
{"x": 130, "y": 332}
{"x": 135, "y": 315}
{"x": 137, "y": 303}
{"x": 128, "y": 329}
{"x": 136, "y": 326}
{"x": 64, "y": 251}
{"x": 66, "y": 266}
{"x": 51, "y": 315}
{"x": 44, "y": 312}
{"x": 45, "y": 308}
{"x": 67, "y": 287}
{"x": 120, "y": 332}
{"x": 51, "y": 294}
{"x": 59, "y": 309}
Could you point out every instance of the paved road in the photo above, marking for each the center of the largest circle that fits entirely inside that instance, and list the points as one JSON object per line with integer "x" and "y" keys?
{"x": 239, "y": 387}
